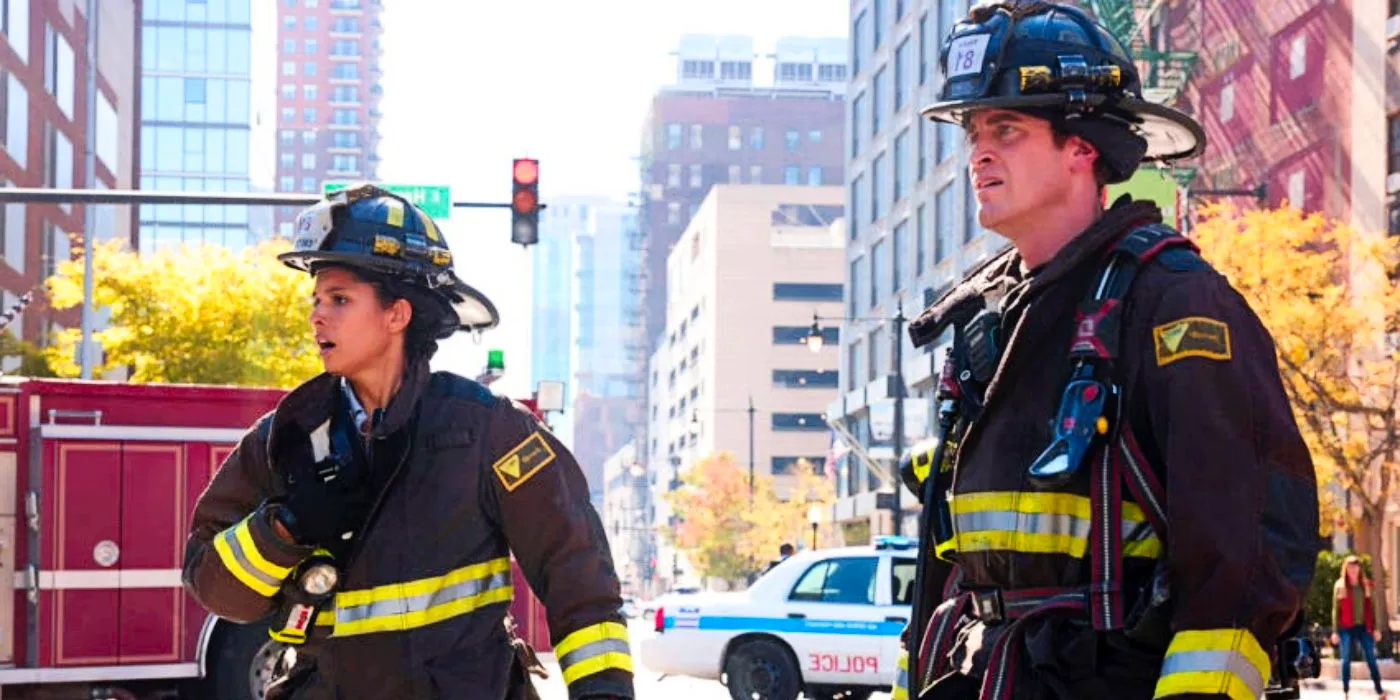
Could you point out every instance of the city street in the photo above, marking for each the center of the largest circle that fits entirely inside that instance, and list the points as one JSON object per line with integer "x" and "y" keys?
{"x": 651, "y": 686}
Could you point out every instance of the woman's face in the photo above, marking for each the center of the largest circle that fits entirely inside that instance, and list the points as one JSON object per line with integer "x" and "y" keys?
{"x": 353, "y": 330}
{"x": 1354, "y": 571}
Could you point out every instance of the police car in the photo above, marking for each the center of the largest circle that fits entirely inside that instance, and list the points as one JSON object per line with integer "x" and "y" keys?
{"x": 823, "y": 622}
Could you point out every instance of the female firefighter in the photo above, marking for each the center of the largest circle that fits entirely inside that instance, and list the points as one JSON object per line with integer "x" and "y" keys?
{"x": 374, "y": 512}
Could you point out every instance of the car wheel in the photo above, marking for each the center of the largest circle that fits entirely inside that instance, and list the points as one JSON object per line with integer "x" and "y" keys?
{"x": 240, "y": 663}
{"x": 762, "y": 669}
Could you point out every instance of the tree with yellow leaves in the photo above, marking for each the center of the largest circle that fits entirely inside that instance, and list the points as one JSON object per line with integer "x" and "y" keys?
{"x": 197, "y": 314}
{"x": 1328, "y": 296}
{"x": 722, "y": 533}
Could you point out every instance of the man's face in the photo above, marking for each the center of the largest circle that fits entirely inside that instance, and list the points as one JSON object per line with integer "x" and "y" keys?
{"x": 1017, "y": 170}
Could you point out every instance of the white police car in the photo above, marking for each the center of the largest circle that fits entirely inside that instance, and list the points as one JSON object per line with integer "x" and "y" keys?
{"x": 826, "y": 622}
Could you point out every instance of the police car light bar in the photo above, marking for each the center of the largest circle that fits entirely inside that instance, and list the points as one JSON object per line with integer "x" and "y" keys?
{"x": 894, "y": 542}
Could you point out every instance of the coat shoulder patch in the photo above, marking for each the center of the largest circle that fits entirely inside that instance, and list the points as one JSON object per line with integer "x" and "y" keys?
{"x": 1192, "y": 336}
{"x": 523, "y": 461}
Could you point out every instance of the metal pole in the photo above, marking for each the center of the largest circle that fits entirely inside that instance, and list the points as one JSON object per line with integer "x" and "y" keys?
{"x": 96, "y": 196}
{"x": 751, "y": 449}
{"x": 898, "y": 414}
{"x": 89, "y": 219}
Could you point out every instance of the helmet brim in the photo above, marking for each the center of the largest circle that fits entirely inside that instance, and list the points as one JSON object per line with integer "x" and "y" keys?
{"x": 474, "y": 310}
{"x": 1170, "y": 134}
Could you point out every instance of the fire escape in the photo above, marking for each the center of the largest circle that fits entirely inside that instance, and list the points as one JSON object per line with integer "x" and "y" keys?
{"x": 1149, "y": 29}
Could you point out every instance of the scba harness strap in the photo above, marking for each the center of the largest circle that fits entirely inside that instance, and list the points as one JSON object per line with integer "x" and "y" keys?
{"x": 1089, "y": 422}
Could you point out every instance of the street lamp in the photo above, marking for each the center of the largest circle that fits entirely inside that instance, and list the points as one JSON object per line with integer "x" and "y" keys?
{"x": 695, "y": 430}
{"x": 814, "y": 516}
{"x": 814, "y": 343}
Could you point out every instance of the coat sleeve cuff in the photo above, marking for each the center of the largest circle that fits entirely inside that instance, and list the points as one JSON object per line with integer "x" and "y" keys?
{"x": 254, "y": 555}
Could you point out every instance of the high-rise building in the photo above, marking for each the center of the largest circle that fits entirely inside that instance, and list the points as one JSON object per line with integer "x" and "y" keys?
{"x": 197, "y": 97}
{"x": 552, "y": 303}
{"x": 718, "y": 125}
{"x": 752, "y": 268}
{"x": 328, "y": 95}
{"x": 44, "y": 135}
{"x": 911, "y": 226}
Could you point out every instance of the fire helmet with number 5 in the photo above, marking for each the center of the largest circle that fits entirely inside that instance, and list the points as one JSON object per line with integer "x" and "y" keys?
{"x": 1052, "y": 61}
{"x": 368, "y": 228}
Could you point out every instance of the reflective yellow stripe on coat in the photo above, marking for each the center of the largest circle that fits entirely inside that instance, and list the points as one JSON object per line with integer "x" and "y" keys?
{"x": 1222, "y": 661}
{"x": 1040, "y": 523}
{"x": 241, "y": 557}
{"x": 900, "y": 691}
{"x": 395, "y": 607}
{"x": 594, "y": 649}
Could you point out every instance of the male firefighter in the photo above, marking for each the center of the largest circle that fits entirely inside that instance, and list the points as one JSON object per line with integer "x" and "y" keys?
{"x": 1120, "y": 504}
{"x": 374, "y": 512}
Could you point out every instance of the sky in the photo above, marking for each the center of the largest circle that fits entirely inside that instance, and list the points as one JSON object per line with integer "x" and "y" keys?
{"x": 469, "y": 85}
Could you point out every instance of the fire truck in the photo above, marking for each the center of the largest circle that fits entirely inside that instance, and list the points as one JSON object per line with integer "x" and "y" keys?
{"x": 97, "y": 484}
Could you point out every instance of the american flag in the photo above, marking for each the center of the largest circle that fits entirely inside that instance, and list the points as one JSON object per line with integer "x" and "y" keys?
{"x": 837, "y": 451}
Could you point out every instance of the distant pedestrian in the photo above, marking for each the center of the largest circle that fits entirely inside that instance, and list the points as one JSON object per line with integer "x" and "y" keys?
{"x": 1354, "y": 615}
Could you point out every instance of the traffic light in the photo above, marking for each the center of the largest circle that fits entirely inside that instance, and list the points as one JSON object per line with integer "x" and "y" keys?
{"x": 525, "y": 202}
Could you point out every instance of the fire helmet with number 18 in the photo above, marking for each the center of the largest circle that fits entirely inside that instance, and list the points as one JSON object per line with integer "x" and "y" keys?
{"x": 1052, "y": 61}
{"x": 368, "y": 228}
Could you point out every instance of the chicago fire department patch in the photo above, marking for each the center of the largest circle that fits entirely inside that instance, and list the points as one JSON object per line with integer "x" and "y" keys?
{"x": 523, "y": 461}
{"x": 1193, "y": 336}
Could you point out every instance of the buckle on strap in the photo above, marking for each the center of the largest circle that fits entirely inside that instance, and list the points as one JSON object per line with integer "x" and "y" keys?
{"x": 994, "y": 606}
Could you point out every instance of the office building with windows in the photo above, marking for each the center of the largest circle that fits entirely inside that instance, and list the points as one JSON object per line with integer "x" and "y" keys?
{"x": 749, "y": 272}
{"x": 328, "y": 95}
{"x": 44, "y": 130}
{"x": 197, "y": 122}
{"x": 721, "y": 122}
{"x": 912, "y": 231}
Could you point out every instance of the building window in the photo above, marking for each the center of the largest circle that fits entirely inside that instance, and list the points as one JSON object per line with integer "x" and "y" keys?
{"x": 792, "y": 175}
{"x": 673, "y": 136}
{"x": 287, "y": 159}
{"x": 901, "y": 73}
{"x": 736, "y": 174}
{"x": 288, "y": 114}
{"x": 857, "y": 50}
{"x": 898, "y": 266}
{"x": 806, "y": 291}
{"x": 309, "y": 23}
{"x": 308, "y": 161}
{"x": 792, "y": 140}
{"x": 673, "y": 175}
{"x": 1394, "y": 143}
{"x": 289, "y": 91}
{"x": 924, "y": 126}
{"x": 799, "y": 421}
{"x": 879, "y": 271}
{"x": 308, "y": 115}
{"x": 59, "y": 69}
{"x": 1298, "y": 56}
{"x": 920, "y": 247}
{"x": 947, "y": 138}
{"x": 878, "y": 26}
{"x": 854, "y": 305}
{"x": 924, "y": 42}
{"x": 289, "y": 46}
{"x": 345, "y": 117}
{"x": 345, "y": 71}
{"x": 289, "y": 23}
{"x": 673, "y": 213}
{"x": 971, "y": 228}
{"x": 814, "y": 175}
{"x": 785, "y": 465}
{"x": 805, "y": 379}
{"x": 943, "y": 209}
{"x": 857, "y": 118}
{"x": 901, "y": 165}
{"x": 195, "y": 91}
{"x": 308, "y": 69}
{"x": 697, "y": 136}
{"x": 877, "y": 100}
{"x": 289, "y": 68}
{"x": 1297, "y": 189}
{"x": 287, "y": 136}
{"x": 853, "y": 220}
{"x": 755, "y": 174}
{"x": 756, "y": 138}
{"x": 877, "y": 188}
{"x": 736, "y": 138}
{"x": 14, "y": 24}
{"x": 697, "y": 179}
{"x": 286, "y": 183}
{"x": 308, "y": 92}
{"x": 797, "y": 335}
{"x": 14, "y": 118}
{"x": 309, "y": 47}
{"x": 308, "y": 137}
{"x": 308, "y": 184}
{"x": 1227, "y": 103}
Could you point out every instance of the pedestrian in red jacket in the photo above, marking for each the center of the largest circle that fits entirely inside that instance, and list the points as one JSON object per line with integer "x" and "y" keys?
{"x": 1354, "y": 615}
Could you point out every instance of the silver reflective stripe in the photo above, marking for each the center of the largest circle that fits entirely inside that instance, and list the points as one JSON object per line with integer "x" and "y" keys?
{"x": 592, "y": 649}
{"x": 231, "y": 539}
{"x": 1232, "y": 662}
{"x": 419, "y": 603}
{"x": 901, "y": 680}
{"x": 1043, "y": 524}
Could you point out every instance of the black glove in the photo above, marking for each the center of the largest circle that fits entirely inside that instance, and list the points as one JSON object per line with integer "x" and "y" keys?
{"x": 317, "y": 511}
{"x": 915, "y": 465}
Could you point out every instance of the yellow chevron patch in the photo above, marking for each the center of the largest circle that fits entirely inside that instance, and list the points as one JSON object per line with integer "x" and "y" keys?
{"x": 523, "y": 461}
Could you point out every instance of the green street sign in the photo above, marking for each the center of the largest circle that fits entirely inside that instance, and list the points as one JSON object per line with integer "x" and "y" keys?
{"x": 435, "y": 200}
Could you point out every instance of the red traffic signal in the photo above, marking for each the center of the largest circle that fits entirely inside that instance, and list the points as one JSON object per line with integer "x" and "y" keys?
{"x": 525, "y": 201}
